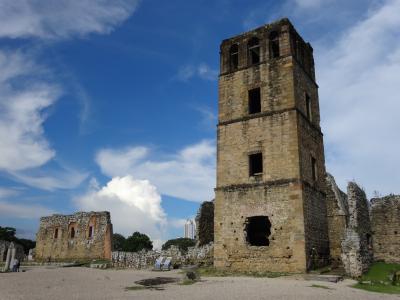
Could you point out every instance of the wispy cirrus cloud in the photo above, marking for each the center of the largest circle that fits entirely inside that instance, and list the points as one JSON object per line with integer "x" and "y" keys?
{"x": 202, "y": 71}
{"x": 28, "y": 89}
{"x": 61, "y": 19}
{"x": 23, "y": 211}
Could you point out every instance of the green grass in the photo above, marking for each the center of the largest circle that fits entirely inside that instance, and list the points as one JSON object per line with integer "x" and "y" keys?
{"x": 320, "y": 286}
{"x": 187, "y": 282}
{"x": 135, "y": 288}
{"x": 213, "y": 272}
{"x": 377, "y": 279}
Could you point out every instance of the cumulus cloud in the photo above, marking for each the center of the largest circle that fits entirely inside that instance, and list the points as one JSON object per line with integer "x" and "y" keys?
{"x": 202, "y": 71}
{"x": 23, "y": 211}
{"x": 62, "y": 18}
{"x": 188, "y": 174}
{"x": 135, "y": 205}
{"x": 359, "y": 78}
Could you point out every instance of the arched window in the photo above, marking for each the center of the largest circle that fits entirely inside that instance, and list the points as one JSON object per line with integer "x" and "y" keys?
{"x": 274, "y": 44}
{"x": 234, "y": 57}
{"x": 56, "y": 233}
{"x": 72, "y": 233}
{"x": 253, "y": 51}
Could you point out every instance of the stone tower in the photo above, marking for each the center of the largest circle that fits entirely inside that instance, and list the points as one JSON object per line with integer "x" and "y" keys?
{"x": 270, "y": 209}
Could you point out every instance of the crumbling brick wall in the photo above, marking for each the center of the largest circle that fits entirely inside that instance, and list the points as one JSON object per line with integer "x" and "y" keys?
{"x": 205, "y": 223}
{"x": 385, "y": 221}
{"x": 83, "y": 235}
{"x": 338, "y": 217}
{"x": 357, "y": 243}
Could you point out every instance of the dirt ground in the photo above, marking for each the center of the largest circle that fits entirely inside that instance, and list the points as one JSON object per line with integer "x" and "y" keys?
{"x": 85, "y": 283}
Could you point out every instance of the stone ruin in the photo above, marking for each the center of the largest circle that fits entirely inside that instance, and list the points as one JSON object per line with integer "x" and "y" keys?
{"x": 10, "y": 251}
{"x": 360, "y": 231}
{"x": 81, "y": 236}
{"x": 145, "y": 259}
{"x": 357, "y": 241}
{"x": 385, "y": 221}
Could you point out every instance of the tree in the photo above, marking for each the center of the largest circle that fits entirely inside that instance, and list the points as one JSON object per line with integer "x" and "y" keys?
{"x": 137, "y": 241}
{"x": 118, "y": 241}
{"x": 27, "y": 244}
{"x": 182, "y": 243}
{"x": 7, "y": 234}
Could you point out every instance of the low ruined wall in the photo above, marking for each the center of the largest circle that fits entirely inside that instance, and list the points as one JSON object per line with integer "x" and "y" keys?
{"x": 146, "y": 259}
{"x": 385, "y": 219}
{"x": 357, "y": 243}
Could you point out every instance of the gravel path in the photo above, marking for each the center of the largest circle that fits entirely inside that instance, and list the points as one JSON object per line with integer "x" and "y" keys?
{"x": 84, "y": 283}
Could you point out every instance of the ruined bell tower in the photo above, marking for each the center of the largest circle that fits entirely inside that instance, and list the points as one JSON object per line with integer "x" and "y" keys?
{"x": 270, "y": 209}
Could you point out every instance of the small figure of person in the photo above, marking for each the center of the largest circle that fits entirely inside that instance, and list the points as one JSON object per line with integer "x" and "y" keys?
{"x": 17, "y": 265}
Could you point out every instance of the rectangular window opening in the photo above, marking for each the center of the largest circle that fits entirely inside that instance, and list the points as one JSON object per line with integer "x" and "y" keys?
{"x": 254, "y": 101}
{"x": 255, "y": 164}
{"x": 314, "y": 168}
{"x": 56, "y": 233}
{"x": 308, "y": 107}
{"x": 90, "y": 232}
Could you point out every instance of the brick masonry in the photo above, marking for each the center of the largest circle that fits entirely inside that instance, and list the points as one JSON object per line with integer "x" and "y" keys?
{"x": 385, "y": 219}
{"x": 83, "y": 235}
{"x": 286, "y": 191}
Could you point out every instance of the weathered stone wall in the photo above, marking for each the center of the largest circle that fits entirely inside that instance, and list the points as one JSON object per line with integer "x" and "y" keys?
{"x": 205, "y": 223}
{"x": 357, "y": 243}
{"x": 19, "y": 254}
{"x": 385, "y": 221}
{"x": 286, "y": 192}
{"x": 338, "y": 216}
{"x": 84, "y": 235}
{"x": 146, "y": 259}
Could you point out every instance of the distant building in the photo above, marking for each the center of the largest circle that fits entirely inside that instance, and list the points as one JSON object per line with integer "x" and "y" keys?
{"x": 190, "y": 229}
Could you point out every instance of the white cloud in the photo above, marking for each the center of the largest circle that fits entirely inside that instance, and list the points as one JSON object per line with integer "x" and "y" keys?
{"x": 359, "y": 78}
{"x": 202, "y": 71}
{"x": 51, "y": 180}
{"x": 308, "y": 4}
{"x": 135, "y": 205}
{"x": 23, "y": 211}
{"x": 62, "y": 18}
{"x": 188, "y": 174}
{"x": 5, "y": 192}
{"x": 23, "y": 100}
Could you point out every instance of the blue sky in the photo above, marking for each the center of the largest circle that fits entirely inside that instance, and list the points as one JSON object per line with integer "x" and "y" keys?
{"x": 111, "y": 105}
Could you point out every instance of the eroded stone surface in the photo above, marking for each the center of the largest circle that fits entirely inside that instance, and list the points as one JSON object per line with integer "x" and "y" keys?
{"x": 290, "y": 190}
{"x": 83, "y": 235}
{"x": 385, "y": 219}
{"x": 357, "y": 252}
